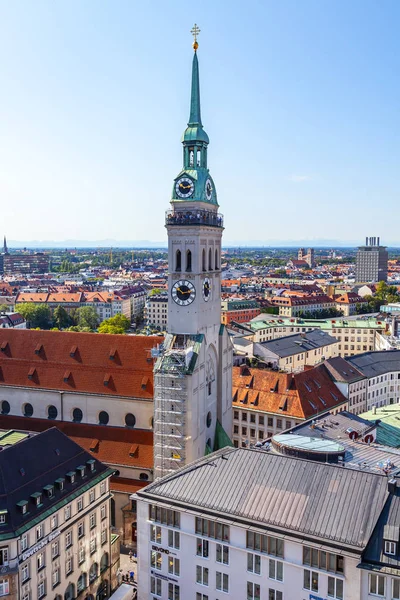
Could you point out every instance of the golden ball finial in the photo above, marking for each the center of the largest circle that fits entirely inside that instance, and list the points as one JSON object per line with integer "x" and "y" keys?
{"x": 195, "y": 32}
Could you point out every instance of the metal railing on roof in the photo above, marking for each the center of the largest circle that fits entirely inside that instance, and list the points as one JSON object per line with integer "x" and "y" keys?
{"x": 194, "y": 217}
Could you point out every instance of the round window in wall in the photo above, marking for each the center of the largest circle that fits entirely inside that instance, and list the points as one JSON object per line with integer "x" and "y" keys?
{"x": 77, "y": 415}
{"x": 52, "y": 412}
{"x": 130, "y": 420}
{"x": 28, "y": 410}
{"x": 103, "y": 417}
{"x": 143, "y": 476}
{"x": 5, "y": 407}
{"x": 209, "y": 419}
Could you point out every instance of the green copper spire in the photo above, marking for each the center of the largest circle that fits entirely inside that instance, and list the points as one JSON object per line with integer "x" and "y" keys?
{"x": 195, "y": 114}
{"x": 194, "y": 131}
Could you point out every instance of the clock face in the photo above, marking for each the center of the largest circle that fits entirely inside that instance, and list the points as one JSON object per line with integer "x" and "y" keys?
{"x": 206, "y": 289}
{"x": 184, "y": 187}
{"x": 209, "y": 189}
{"x": 183, "y": 292}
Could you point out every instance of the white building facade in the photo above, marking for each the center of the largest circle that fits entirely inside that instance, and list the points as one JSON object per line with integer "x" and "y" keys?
{"x": 188, "y": 549}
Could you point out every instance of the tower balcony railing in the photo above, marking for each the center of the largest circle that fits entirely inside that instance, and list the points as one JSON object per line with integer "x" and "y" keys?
{"x": 194, "y": 217}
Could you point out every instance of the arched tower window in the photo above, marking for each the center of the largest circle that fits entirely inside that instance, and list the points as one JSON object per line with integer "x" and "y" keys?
{"x": 188, "y": 260}
{"x": 210, "y": 260}
{"x": 216, "y": 263}
{"x": 199, "y": 158}
{"x": 178, "y": 261}
{"x": 203, "y": 260}
{"x": 191, "y": 157}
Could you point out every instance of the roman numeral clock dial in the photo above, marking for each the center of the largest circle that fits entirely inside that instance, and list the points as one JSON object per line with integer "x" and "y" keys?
{"x": 183, "y": 292}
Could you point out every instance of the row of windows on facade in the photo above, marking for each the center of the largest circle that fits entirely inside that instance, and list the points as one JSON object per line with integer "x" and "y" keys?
{"x": 383, "y": 378}
{"x": 188, "y": 262}
{"x": 77, "y": 414}
{"x": 84, "y": 579}
{"x": 263, "y": 543}
{"x": 40, "y": 530}
{"x": 261, "y": 420}
{"x": 26, "y": 569}
{"x": 275, "y": 572}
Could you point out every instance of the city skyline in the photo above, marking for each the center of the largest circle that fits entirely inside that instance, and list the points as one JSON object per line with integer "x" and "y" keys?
{"x": 302, "y": 122}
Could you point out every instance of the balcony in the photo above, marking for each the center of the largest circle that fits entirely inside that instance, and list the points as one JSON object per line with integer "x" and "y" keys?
{"x": 194, "y": 217}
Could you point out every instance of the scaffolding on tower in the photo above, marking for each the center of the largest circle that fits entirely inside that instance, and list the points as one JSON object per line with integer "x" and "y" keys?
{"x": 170, "y": 403}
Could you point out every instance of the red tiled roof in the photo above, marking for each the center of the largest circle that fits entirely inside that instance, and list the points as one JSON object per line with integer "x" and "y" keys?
{"x": 32, "y": 297}
{"x": 61, "y": 297}
{"x": 300, "y": 395}
{"x": 111, "y": 445}
{"x": 123, "y": 484}
{"x": 86, "y": 356}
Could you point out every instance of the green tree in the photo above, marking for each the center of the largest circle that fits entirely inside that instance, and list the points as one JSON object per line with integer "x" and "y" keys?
{"x": 87, "y": 318}
{"x": 61, "y": 318}
{"x": 117, "y": 324}
{"x": 36, "y": 315}
{"x": 386, "y": 293}
{"x": 155, "y": 292}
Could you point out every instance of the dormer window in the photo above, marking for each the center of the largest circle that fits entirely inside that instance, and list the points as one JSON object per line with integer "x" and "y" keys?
{"x": 82, "y": 470}
{"x": 60, "y": 483}
{"x": 3, "y": 517}
{"x": 390, "y": 548}
{"x": 49, "y": 491}
{"x": 71, "y": 476}
{"x": 91, "y": 464}
{"x": 36, "y": 498}
{"x": 23, "y": 506}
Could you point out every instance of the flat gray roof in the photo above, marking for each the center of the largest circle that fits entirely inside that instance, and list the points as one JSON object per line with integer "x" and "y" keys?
{"x": 373, "y": 364}
{"x": 300, "y": 342}
{"x": 287, "y": 495}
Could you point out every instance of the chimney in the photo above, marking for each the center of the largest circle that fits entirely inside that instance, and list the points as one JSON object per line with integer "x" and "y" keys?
{"x": 379, "y": 239}
{"x": 374, "y": 410}
{"x": 392, "y": 485}
{"x": 366, "y": 241}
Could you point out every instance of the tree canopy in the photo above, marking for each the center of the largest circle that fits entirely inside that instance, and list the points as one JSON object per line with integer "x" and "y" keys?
{"x": 118, "y": 324}
{"x": 36, "y": 315}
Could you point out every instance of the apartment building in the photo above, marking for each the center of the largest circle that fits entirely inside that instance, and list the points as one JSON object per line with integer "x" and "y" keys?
{"x": 294, "y": 352}
{"x": 295, "y": 306}
{"x": 354, "y": 335}
{"x": 156, "y": 312}
{"x": 267, "y": 402}
{"x": 348, "y": 303}
{"x": 238, "y": 310}
{"x": 350, "y": 381}
{"x": 226, "y": 526}
{"x": 128, "y": 451}
{"x": 55, "y": 532}
{"x": 107, "y": 304}
{"x": 382, "y": 371}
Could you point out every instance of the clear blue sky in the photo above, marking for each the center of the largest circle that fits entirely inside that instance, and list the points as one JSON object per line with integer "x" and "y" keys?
{"x": 300, "y": 100}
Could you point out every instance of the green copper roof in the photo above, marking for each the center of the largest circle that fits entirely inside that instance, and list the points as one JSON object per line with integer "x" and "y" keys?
{"x": 388, "y": 430}
{"x": 222, "y": 439}
{"x": 194, "y": 131}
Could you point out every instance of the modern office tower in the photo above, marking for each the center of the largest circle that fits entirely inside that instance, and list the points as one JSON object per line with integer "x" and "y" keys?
{"x": 371, "y": 261}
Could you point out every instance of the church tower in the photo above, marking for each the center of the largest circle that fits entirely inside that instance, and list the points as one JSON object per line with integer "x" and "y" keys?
{"x": 193, "y": 373}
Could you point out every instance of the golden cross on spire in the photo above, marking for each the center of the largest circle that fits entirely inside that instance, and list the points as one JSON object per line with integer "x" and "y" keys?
{"x": 195, "y": 32}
